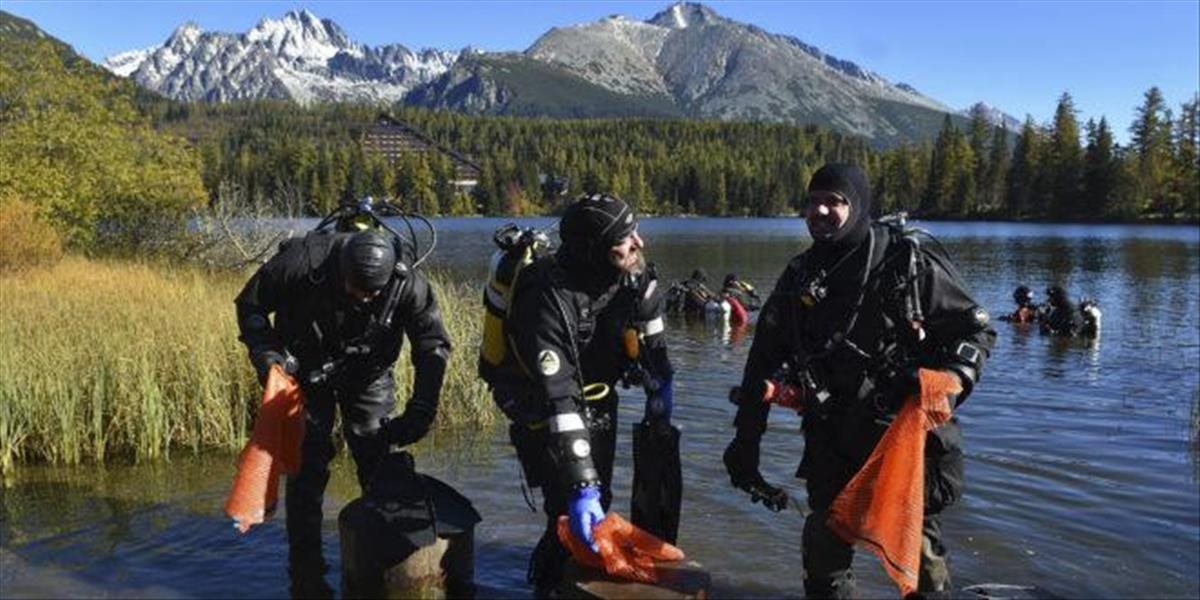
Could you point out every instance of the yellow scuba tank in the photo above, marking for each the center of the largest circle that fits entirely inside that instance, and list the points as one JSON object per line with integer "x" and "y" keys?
{"x": 517, "y": 248}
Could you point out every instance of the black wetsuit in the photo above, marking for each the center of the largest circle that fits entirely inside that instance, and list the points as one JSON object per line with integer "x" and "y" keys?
{"x": 865, "y": 395}
{"x": 566, "y": 325}
{"x": 317, "y": 323}
{"x": 1060, "y": 318}
{"x": 690, "y": 298}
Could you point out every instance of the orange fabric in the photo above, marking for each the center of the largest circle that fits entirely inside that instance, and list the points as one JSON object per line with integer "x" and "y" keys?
{"x": 882, "y": 507}
{"x": 626, "y": 550}
{"x": 273, "y": 450}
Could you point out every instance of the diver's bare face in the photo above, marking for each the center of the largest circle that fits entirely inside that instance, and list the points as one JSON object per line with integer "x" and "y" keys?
{"x": 826, "y": 213}
{"x": 627, "y": 254}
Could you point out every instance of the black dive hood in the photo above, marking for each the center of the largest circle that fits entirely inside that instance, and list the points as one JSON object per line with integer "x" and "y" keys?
{"x": 367, "y": 260}
{"x": 589, "y": 228}
{"x": 850, "y": 182}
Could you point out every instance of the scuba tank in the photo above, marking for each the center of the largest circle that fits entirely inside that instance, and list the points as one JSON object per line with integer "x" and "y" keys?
{"x": 517, "y": 248}
{"x": 408, "y": 536}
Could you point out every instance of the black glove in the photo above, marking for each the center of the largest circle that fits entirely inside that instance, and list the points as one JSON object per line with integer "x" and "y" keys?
{"x": 741, "y": 461}
{"x": 408, "y": 428}
{"x": 892, "y": 387}
{"x": 262, "y": 362}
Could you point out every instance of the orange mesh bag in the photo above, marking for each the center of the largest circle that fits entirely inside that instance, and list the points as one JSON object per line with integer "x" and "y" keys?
{"x": 273, "y": 450}
{"x": 882, "y": 507}
{"x": 626, "y": 550}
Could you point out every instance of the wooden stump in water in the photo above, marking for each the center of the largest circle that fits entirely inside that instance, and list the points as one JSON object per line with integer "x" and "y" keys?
{"x": 418, "y": 576}
{"x": 380, "y": 560}
{"x": 410, "y": 536}
{"x": 677, "y": 580}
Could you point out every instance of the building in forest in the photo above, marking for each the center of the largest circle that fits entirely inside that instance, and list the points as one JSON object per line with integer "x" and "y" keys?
{"x": 392, "y": 138}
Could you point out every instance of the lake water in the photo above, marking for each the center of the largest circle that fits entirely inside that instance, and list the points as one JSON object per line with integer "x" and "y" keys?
{"x": 1082, "y": 464}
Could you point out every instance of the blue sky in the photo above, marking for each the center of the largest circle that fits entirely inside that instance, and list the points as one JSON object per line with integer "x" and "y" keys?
{"x": 1018, "y": 56}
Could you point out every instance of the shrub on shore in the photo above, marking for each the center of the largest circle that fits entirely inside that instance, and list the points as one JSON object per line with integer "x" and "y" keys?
{"x": 104, "y": 358}
{"x": 29, "y": 241}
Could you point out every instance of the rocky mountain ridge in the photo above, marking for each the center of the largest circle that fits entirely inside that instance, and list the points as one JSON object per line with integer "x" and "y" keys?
{"x": 298, "y": 57}
{"x": 685, "y": 61}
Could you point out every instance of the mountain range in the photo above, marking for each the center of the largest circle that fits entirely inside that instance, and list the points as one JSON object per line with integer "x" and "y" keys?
{"x": 686, "y": 61}
{"x": 299, "y": 57}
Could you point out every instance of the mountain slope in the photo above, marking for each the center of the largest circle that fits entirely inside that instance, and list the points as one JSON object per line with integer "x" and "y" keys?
{"x": 686, "y": 61}
{"x": 299, "y": 57}
{"x": 15, "y": 31}
{"x": 513, "y": 84}
{"x": 708, "y": 66}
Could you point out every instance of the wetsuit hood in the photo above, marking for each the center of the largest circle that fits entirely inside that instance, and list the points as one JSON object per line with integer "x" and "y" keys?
{"x": 367, "y": 260}
{"x": 1057, "y": 296}
{"x": 850, "y": 182}
{"x": 590, "y": 227}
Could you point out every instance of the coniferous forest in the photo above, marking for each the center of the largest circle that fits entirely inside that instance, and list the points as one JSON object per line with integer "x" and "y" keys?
{"x": 96, "y": 159}
{"x": 303, "y": 160}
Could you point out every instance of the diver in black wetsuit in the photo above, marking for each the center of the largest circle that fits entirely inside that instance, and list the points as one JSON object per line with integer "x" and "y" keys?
{"x": 856, "y": 314}
{"x": 342, "y": 303}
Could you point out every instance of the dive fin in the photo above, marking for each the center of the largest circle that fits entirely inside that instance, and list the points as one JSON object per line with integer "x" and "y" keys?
{"x": 657, "y": 479}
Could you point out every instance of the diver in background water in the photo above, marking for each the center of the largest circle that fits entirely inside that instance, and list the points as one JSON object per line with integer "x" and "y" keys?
{"x": 743, "y": 291}
{"x": 1059, "y": 315}
{"x": 1027, "y": 309}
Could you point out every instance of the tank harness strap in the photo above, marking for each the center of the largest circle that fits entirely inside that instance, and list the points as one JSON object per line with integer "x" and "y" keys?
{"x": 912, "y": 310}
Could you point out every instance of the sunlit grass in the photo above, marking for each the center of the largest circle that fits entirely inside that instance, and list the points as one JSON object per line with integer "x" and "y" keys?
{"x": 101, "y": 359}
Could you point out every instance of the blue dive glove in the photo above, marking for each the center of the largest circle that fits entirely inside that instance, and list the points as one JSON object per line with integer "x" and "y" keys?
{"x": 660, "y": 402}
{"x": 585, "y": 513}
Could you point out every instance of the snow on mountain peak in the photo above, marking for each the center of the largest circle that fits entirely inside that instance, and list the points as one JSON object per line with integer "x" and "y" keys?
{"x": 185, "y": 36}
{"x": 300, "y": 35}
{"x": 682, "y": 15}
{"x": 125, "y": 63}
{"x": 298, "y": 56}
{"x": 304, "y": 16}
{"x": 677, "y": 15}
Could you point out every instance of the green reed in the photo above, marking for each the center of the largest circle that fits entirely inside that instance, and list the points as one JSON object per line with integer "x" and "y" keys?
{"x": 105, "y": 358}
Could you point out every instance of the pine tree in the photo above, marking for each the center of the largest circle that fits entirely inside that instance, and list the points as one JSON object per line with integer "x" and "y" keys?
{"x": 1101, "y": 172}
{"x": 720, "y": 196}
{"x": 1186, "y": 177}
{"x": 484, "y": 194}
{"x": 1023, "y": 176}
{"x": 951, "y": 188}
{"x": 978, "y": 135}
{"x": 1064, "y": 159}
{"x": 901, "y": 180}
{"x": 1151, "y": 148}
{"x": 998, "y": 162}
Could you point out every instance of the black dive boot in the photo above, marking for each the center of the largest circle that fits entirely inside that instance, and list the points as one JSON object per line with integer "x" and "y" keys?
{"x": 546, "y": 566}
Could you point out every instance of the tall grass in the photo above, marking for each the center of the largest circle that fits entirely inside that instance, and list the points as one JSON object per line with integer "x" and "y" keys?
{"x": 104, "y": 358}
